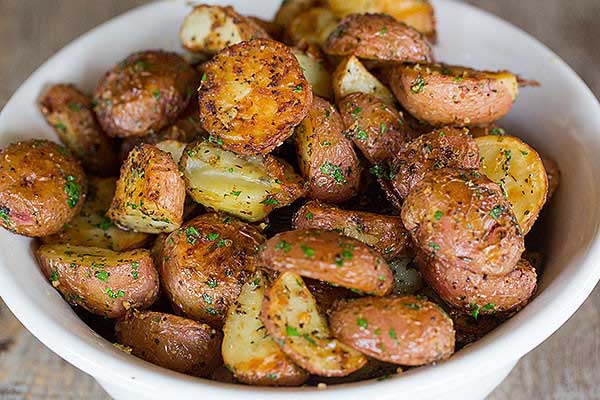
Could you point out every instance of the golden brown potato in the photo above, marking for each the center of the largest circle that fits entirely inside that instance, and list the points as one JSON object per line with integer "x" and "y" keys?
{"x": 385, "y": 233}
{"x": 42, "y": 187}
{"x": 312, "y": 26}
{"x": 404, "y": 330}
{"x": 291, "y": 316}
{"x": 553, "y": 173}
{"x": 248, "y": 349}
{"x": 443, "y": 148}
{"x": 376, "y": 128}
{"x": 70, "y": 113}
{"x": 289, "y": 9}
{"x": 327, "y": 159}
{"x": 273, "y": 30}
{"x": 461, "y": 219}
{"x": 519, "y": 171}
{"x": 144, "y": 93}
{"x": 485, "y": 130}
{"x": 378, "y": 37}
{"x": 210, "y": 28}
{"x": 450, "y": 95}
{"x": 315, "y": 70}
{"x": 252, "y": 95}
{"x": 352, "y": 76}
{"x": 205, "y": 263}
{"x": 150, "y": 192}
{"x": 249, "y": 187}
{"x": 172, "y": 342}
{"x": 92, "y": 228}
{"x": 330, "y": 257}
{"x": 102, "y": 281}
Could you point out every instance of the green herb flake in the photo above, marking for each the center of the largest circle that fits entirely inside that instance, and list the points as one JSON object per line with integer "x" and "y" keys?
{"x": 356, "y": 111}
{"x": 54, "y": 276}
{"x": 309, "y": 216}
{"x": 497, "y": 132}
{"x": 215, "y": 140}
{"x": 308, "y": 251}
{"x": 75, "y": 106}
{"x": 383, "y": 30}
{"x": 73, "y": 191}
{"x": 212, "y": 283}
{"x": 283, "y": 245}
{"x": 334, "y": 171}
{"x": 438, "y": 215}
{"x": 236, "y": 193}
{"x": 291, "y": 331}
{"x": 221, "y": 243}
{"x": 61, "y": 126}
{"x": 192, "y": 234}
{"x": 211, "y": 311}
{"x": 434, "y": 246}
{"x": 362, "y": 135}
{"x": 382, "y": 128}
{"x": 4, "y": 215}
{"x": 392, "y": 333}
{"x": 204, "y": 77}
{"x": 310, "y": 340}
{"x": 497, "y": 211}
{"x": 360, "y": 321}
{"x": 298, "y": 89}
{"x": 156, "y": 95}
{"x": 141, "y": 65}
{"x": 269, "y": 201}
{"x": 102, "y": 275}
{"x": 207, "y": 298}
{"x": 212, "y": 236}
{"x": 190, "y": 153}
{"x": 112, "y": 294}
{"x": 524, "y": 152}
{"x": 418, "y": 85}
{"x": 377, "y": 170}
{"x": 105, "y": 223}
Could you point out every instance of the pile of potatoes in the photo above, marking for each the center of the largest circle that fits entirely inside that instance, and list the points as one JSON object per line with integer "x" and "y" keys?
{"x": 312, "y": 199}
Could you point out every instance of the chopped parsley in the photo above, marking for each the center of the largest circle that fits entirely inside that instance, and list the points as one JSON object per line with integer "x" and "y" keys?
{"x": 291, "y": 331}
{"x": 102, "y": 275}
{"x": 392, "y": 333}
{"x": 192, "y": 234}
{"x": 309, "y": 216}
{"x": 283, "y": 245}
{"x": 362, "y": 135}
{"x": 73, "y": 191}
{"x": 212, "y": 283}
{"x": 360, "y": 321}
{"x": 308, "y": 251}
{"x": 382, "y": 128}
{"x": 269, "y": 201}
{"x": 236, "y": 193}
{"x": 418, "y": 85}
{"x": 212, "y": 236}
{"x": 112, "y": 294}
{"x": 334, "y": 171}
{"x": 4, "y": 215}
{"x": 383, "y": 30}
{"x": 497, "y": 211}
{"x": 215, "y": 140}
{"x": 105, "y": 223}
{"x": 497, "y": 131}
{"x": 156, "y": 95}
{"x": 141, "y": 65}
{"x": 476, "y": 309}
{"x": 75, "y": 106}
{"x": 54, "y": 276}
{"x": 438, "y": 215}
{"x": 207, "y": 298}
{"x": 377, "y": 170}
{"x": 298, "y": 89}
{"x": 61, "y": 126}
{"x": 434, "y": 246}
{"x": 204, "y": 77}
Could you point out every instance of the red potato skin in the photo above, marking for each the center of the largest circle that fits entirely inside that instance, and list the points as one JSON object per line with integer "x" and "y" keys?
{"x": 172, "y": 342}
{"x": 403, "y": 330}
{"x": 318, "y": 254}
{"x": 462, "y": 219}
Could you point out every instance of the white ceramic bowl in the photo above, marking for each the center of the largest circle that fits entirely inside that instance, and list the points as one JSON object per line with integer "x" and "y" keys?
{"x": 560, "y": 119}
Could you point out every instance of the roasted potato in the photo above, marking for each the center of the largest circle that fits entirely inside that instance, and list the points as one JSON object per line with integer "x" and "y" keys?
{"x": 378, "y": 37}
{"x": 405, "y": 330}
{"x": 461, "y": 219}
{"x": 71, "y": 114}
{"x": 174, "y": 147}
{"x": 289, "y": 9}
{"x": 330, "y": 257}
{"x": 150, "y": 192}
{"x": 327, "y": 295}
{"x": 248, "y": 349}
{"x": 172, "y": 342}
{"x": 205, "y": 263}
{"x": 407, "y": 278}
{"x": 252, "y": 95}
{"x": 315, "y": 71}
{"x": 352, "y": 76}
{"x": 376, "y": 128}
{"x": 326, "y": 157}
{"x": 485, "y": 130}
{"x": 385, "y": 233}
{"x": 446, "y": 147}
{"x": 102, "y": 281}
{"x": 417, "y": 13}
{"x": 249, "y": 187}
{"x": 208, "y": 29}
{"x": 92, "y": 228}
{"x": 144, "y": 93}
{"x": 273, "y": 30}
{"x": 519, "y": 171}
{"x": 553, "y": 173}
{"x": 42, "y": 187}
{"x": 291, "y": 316}
{"x": 312, "y": 26}
{"x": 451, "y": 95}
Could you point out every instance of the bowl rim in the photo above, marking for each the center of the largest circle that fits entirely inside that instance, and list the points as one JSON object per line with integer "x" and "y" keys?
{"x": 138, "y": 375}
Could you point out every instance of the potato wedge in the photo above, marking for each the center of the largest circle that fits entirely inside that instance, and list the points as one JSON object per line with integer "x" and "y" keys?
{"x": 172, "y": 342}
{"x": 92, "y": 228}
{"x": 150, "y": 192}
{"x": 248, "y": 349}
{"x": 102, "y": 281}
{"x": 205, "y": 263}
{"x": 378, "y": 37}
{"x": 520, "y": 172}
{"x": 327, "y": 159}
{"x": 252, "y": 95}
{"x": 315, "y": 72}
{"x": 451, "y": 95}
{"x": 351, "y": 76}
{"x": 462, "y": 220}
{"x": 210, "y": 28}
{"x": 71, "y": 114}
{"x": 405, "y": 330}
{"x": 249, "y": 187}
{"x": 312, "y": 26}
{"x": 328, "y": 256}
{"x": 291, "y": 315}
{"x": 385, "y": 233}
{"x": 289, "y": 9}
{"x": 553, "y": 173}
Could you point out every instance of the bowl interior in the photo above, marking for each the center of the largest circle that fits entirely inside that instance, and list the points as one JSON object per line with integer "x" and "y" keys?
{"x": 560, "y": 119}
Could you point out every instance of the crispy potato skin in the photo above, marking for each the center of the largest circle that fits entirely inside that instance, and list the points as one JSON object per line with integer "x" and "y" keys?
{"x": 102, "y": 281}
{"x": 403, "y": 330}
{"x": 445, "y": 147}
{"x": 150, "y": 192}
{"x": 327, "y": 159}
{"x": 205, "y": 263}
{"x": 463, "y": 220}
{"x": 447, "y": 95}
{"x": 144, "y": 93}
{"x": 70, "y": 113}
{"x": 385, "y": 233}
{"x": 330, "y": 257}
{"x": 376, "y": 128}
{"x": 466, "y": 290}
{"x": 42, "y": 187}
{"x": 252, "y": 95}
{"x": 378, "y": 37}
{"x": 172, "y": 342}
{"x": 553, "y": 173}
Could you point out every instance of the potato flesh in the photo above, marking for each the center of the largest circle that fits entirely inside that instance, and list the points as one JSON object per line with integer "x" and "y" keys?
{"x": 351, "y": 76}
{"x": 316, "y": 74}
{"x": 173, "y": 147}
{"x": 313, "y": 26}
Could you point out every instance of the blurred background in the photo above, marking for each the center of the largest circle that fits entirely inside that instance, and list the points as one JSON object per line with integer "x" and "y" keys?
{"x": 564, "y": 367}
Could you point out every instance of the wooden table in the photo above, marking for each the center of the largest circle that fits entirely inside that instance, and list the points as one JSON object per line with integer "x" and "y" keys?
{"x": 564, "y": 367}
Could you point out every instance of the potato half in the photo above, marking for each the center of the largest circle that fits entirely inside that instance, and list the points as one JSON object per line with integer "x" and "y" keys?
{"x": 291, "y": 315}
{"x": 352, "y": 76}
{"x": 312, "y": 26}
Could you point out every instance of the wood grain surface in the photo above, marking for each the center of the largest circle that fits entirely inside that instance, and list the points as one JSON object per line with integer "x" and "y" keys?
{"x": 564, "y": 367}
